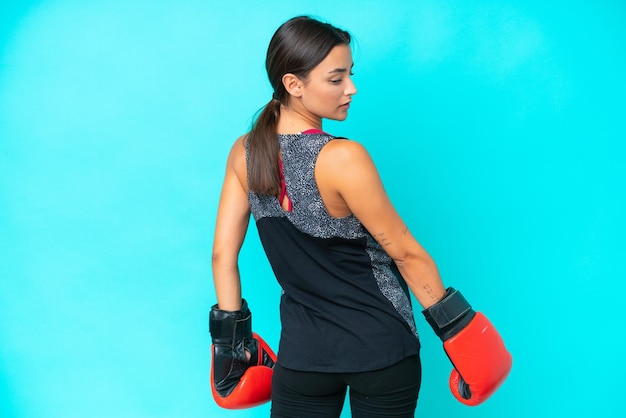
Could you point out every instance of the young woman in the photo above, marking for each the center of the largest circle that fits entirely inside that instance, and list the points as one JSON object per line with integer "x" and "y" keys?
{"x": 344, "y": 258}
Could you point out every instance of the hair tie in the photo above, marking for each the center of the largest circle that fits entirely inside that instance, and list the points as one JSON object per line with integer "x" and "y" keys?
{"x": 274, "y": 96}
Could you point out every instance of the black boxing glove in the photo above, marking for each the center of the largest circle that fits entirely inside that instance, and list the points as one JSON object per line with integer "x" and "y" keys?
{"x": 236, "y": 381}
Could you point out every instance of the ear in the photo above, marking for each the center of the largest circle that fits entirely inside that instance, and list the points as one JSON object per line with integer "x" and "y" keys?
{"x": 293, "y": 84}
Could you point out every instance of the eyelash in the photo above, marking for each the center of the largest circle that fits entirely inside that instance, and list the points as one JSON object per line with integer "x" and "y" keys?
{"x": 340, "y": 80}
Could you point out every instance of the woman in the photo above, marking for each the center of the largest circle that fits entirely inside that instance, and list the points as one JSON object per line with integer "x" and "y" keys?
{"x": 345, "y": 259}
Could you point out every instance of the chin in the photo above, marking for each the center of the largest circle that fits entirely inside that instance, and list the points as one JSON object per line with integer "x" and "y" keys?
{"x": 339, "y": 118}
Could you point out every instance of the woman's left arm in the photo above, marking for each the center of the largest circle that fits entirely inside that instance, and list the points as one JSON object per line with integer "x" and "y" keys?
{"x": 475, "y": 348}
{"x": 360, "y": 187}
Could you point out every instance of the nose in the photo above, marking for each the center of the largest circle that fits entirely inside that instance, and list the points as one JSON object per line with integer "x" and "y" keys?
{"x": 350, "y": 88}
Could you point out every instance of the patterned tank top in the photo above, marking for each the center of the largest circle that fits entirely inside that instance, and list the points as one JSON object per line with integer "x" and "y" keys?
{"x": 344, "y": 307}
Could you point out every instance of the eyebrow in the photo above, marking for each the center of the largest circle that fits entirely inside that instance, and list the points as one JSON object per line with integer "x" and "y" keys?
{"x": 340, "y": 70}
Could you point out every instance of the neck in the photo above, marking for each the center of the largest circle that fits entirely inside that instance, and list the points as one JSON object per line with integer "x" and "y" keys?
{"x": 292, "y": 121}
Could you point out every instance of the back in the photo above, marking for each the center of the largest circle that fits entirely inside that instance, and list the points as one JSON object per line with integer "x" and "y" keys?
{"x": 344, "y": 307}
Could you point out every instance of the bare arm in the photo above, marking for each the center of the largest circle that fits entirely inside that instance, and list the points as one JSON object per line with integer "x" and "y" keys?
{"x": 233, "y": 216}
{"x": 361, "y": 188}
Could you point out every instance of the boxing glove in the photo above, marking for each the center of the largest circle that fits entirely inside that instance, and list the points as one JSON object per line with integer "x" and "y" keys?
{"x": 480, "y": 359}
{"x": 236, "y": 381}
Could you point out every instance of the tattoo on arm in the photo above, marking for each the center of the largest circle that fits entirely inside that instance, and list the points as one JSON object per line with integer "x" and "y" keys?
{"x": 429, "y": 292}
{"x": 382, "y": 239}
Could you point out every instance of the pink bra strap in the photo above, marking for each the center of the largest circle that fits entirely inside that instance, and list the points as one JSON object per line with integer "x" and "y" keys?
{"x": 283, "y": 188}
{"x": 313, "y": 131}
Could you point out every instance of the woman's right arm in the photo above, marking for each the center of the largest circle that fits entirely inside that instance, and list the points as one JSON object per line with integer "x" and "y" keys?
{"x": 233, "y": 216}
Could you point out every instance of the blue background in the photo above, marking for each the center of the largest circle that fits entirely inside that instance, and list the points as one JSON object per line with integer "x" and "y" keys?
{"x": 498, "y": 128}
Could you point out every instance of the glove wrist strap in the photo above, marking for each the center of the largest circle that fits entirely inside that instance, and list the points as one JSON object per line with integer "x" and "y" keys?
{"x": 227, "y": 327}
{"x": 450, "y": 315}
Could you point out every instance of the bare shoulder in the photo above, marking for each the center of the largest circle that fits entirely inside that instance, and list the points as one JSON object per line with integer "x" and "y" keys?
{"x": 342, "y": 153}
{"x": 237, "y": 155}
{"x": 237, "y": 159}
{"x": 238, "y": 150}
{"x": 345, "y": 170}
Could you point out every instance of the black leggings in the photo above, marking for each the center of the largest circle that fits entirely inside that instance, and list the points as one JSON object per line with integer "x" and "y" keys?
{"x": 388, "y": 392}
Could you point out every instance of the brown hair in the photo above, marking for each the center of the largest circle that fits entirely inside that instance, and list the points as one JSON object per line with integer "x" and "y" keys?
{"x": 297, "y": 47}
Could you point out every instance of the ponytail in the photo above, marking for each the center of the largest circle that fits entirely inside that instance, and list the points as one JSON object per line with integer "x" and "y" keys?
{"x": 297, "y": 47}
{"x": 263, "y": 152}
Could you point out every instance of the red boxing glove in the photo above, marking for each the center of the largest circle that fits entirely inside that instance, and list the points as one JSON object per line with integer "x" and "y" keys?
{"x": 237, "y": 382}
{"x": 480, "y": 359}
